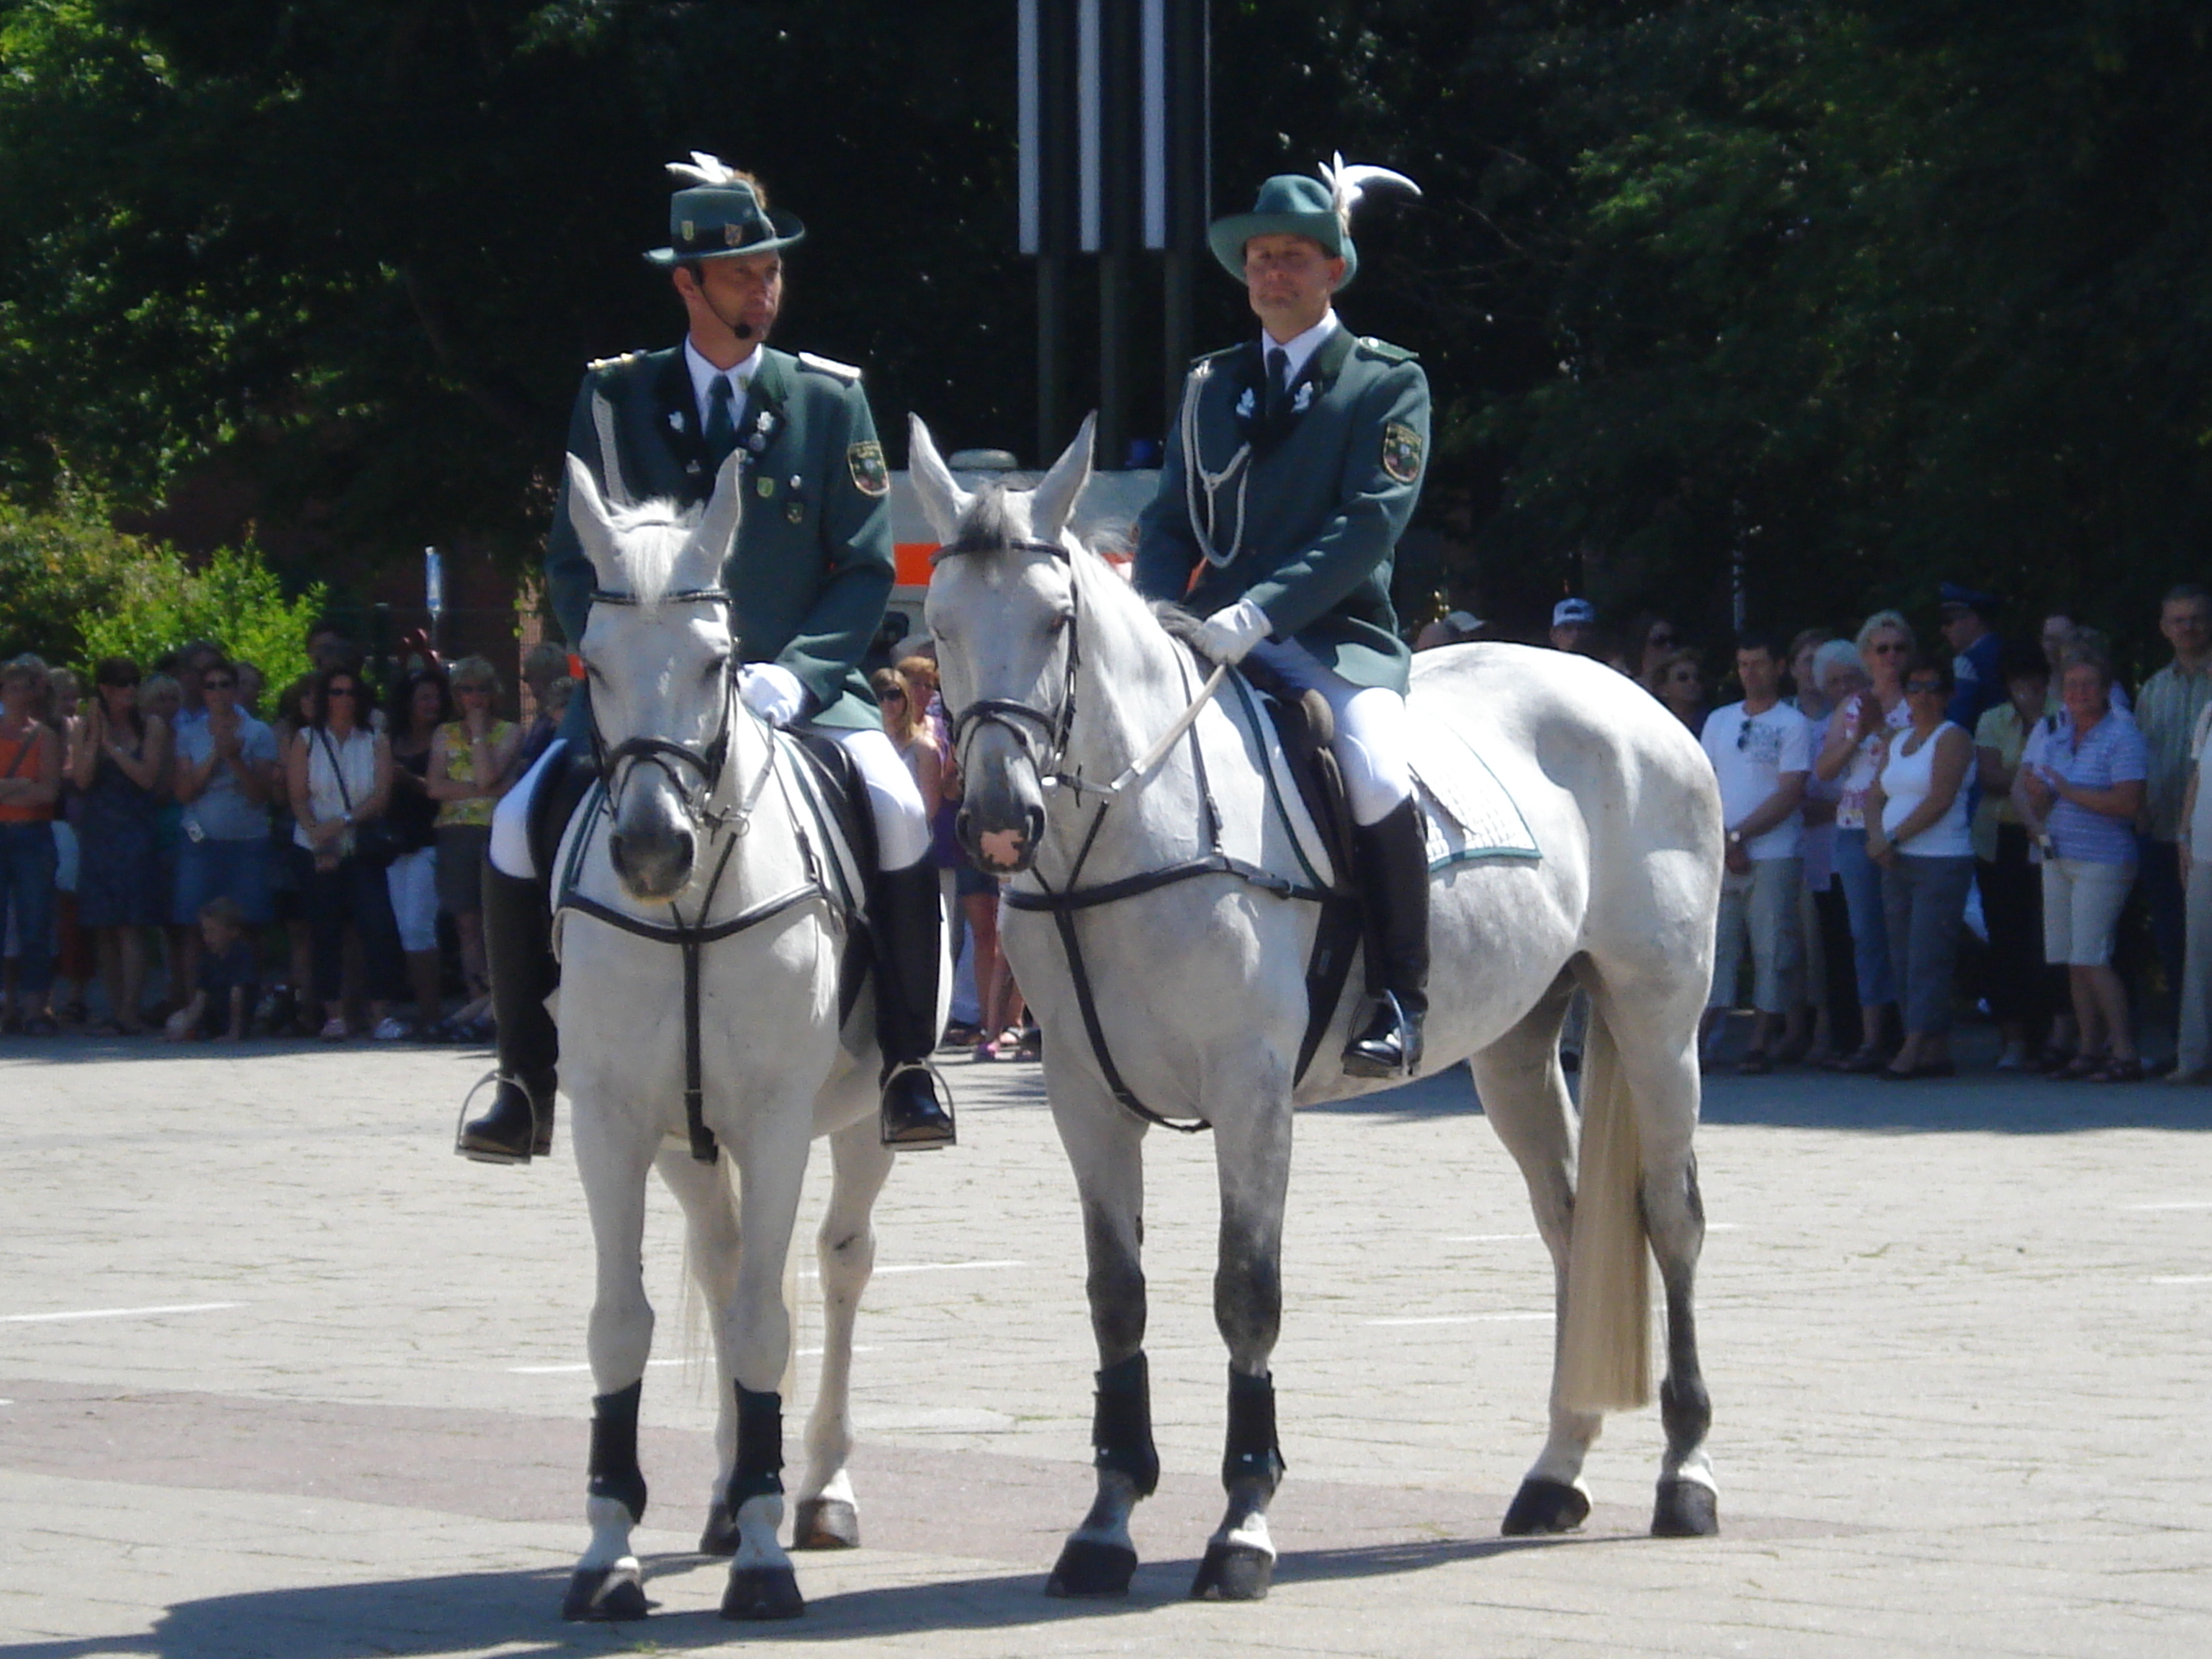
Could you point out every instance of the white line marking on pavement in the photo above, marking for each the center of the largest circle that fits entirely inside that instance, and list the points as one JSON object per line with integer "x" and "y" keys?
{"x": 1455, "y": 1319}
{"x": 558, "y": 1371}
{"x": 116, "y": 1313}
{"x": 930, "y": 1267}
{"x": 2183, "y": 1279}
{"x": 2176, "y": 1204}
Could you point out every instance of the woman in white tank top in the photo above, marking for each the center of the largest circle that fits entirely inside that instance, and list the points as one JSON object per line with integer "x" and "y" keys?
{"x": 1917, "y": 831}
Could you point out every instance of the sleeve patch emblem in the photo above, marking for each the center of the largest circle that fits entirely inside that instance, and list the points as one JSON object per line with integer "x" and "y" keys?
{"x": 1401, "y": 452}
{"x": 870, "y": 476}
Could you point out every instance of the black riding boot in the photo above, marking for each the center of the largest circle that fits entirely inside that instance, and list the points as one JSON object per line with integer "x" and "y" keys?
{"x": 1393, "y": 877}
{"x": 909, "y": 946}
{"x": 519, "y": 950}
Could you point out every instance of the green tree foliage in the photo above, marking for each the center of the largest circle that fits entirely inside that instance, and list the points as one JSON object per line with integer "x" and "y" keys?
{"x": 74, "y": 590}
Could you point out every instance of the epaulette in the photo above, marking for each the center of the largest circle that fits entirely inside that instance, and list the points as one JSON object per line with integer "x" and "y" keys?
{"x": 1385, "y": 350}
{"x": 829, "y": 366}
{"x": 598, "y": 363}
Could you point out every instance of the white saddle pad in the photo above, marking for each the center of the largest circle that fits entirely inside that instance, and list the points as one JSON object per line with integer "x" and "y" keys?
{"x": 1468, "y": 814}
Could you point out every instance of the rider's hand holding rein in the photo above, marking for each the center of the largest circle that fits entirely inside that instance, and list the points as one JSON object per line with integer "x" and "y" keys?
{"x": 773, "y": 692}
{"x": 1231, "y": 632}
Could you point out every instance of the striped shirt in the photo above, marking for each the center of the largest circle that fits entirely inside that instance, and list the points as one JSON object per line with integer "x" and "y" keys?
{"x": 2167, "y": 710}
{"x": 2112, "y": 753}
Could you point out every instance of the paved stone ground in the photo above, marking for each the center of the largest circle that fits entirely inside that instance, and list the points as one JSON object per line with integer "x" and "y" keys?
{"x": 1957, "y": 1336}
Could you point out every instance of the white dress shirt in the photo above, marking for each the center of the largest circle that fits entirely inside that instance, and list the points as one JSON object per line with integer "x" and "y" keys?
{"x": 1299, "y": 349}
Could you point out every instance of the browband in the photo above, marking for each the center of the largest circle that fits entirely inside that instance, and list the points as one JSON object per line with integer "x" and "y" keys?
{"x": 1052, "y": 549}
{"x": 686, "y": 596}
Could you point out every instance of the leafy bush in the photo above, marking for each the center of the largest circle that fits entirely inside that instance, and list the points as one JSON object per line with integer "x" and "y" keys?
{"x": 74, "y": 589}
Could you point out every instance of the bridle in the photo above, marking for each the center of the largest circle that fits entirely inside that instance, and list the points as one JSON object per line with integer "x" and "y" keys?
{"x": 1040, "y": 733}
{"x": 659, "y": 753}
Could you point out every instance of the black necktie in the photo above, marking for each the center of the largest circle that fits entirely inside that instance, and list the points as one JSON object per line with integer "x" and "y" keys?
{"x": 1278, "y": 376}
{"x": 721, "y": 428}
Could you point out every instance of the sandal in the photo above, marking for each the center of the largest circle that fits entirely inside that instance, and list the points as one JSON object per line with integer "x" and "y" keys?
{"x": 2119, "y": 1071}
{"x": 1754, "y": 1064}
{"x": 2081, "y": 1066}
{"x": 335, "y": 1030}
{"x": 1862, "y": 1061}
{"x": 40, "y": 1025}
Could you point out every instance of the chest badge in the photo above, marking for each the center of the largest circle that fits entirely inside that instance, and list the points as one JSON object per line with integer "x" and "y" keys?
{"x": 870, "y": 476}
{"x": 796, "y": 512}
{"x": 1401, "y": 452}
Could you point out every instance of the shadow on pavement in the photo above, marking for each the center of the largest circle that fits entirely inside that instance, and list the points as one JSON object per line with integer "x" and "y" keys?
{"x": 472, "y": 1611}
{"x": 1993, "y": 1103}
{"x": 74, "y": 1050}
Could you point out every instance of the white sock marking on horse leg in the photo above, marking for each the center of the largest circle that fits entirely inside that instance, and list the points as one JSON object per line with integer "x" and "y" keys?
{"x": 1251, "y": 1532}
{"x": 758, "y": 1521}
{"x": 610, "y": 1525}
{"x": 1696, "y": 1468}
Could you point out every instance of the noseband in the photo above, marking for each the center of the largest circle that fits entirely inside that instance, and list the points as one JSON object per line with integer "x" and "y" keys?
{"x": 657, "y": 752}
{"x": 1040, "y": 733}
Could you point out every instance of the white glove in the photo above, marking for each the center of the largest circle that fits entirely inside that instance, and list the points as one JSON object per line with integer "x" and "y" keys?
{"x": 1230, "y": 632}
{"x": 772, "y": 692}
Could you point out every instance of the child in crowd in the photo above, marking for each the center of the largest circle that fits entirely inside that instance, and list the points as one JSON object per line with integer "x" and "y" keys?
{"x": 228, "y": 978}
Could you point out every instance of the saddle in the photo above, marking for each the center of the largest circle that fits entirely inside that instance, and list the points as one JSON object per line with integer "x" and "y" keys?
{"x": 1306, "y": 726}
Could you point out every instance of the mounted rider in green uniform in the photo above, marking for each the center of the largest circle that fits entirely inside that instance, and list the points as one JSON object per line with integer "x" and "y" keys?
{"x": 1291, "y": 474}
{"x": 808, "y": 578}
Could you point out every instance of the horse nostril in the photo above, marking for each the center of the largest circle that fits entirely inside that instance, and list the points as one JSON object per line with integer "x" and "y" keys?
{"x": 1033, "y": 825}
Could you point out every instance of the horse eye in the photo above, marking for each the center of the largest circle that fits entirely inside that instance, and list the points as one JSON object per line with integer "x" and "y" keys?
{"x": 1060, "y": 620}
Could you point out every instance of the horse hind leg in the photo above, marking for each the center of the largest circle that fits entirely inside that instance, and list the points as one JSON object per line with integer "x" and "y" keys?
{"x": 1524, "y": 1096}
{"x": 824, "y": 1514}
{"x": 1659, "y": 1066}
{"x": 1105, "y": 1148}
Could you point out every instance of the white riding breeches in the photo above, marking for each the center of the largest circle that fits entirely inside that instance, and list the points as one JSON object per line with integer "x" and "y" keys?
{"x": 902, "y": 825}
{"x": 1373, "y": 749}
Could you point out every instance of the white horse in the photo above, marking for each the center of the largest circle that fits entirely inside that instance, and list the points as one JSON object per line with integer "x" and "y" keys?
{"x": 1061, "y": 680}
{"x": 701, "y": 946}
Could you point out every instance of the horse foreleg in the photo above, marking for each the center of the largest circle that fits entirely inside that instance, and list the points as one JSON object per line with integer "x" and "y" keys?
{"x": 1524, "y": 1096}
{"x": 1252, "y": 1157}
{"x": 608, "y": 1582}
{"x": 773, "y": 1162}
{"x": 715, "y": 1243}
{"x": 1105, "y": 1146}
{"x": 825, "y": 1516}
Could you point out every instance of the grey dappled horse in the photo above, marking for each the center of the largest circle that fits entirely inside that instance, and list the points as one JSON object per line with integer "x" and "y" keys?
{"x": 1060, "y": 678}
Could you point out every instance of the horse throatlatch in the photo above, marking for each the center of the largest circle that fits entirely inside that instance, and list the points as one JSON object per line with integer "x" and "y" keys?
{"x": 1121, "y": 1424}
{"x": 613, "y": 1467}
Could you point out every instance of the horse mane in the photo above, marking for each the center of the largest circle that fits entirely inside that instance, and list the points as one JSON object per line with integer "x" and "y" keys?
{"x": 652, "y": 537}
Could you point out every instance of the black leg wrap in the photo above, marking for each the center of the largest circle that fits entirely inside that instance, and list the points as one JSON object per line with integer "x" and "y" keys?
{"x": 1252, "y": 1449}
{"x": 759, "y": 1472}
{"x": 1121, "y": 1424}
{"x": 614, "y": 1470}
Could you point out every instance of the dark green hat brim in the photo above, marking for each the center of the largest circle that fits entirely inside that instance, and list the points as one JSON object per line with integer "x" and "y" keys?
{"x": 788, "y": 230}
{"x": 1227, "y": 237}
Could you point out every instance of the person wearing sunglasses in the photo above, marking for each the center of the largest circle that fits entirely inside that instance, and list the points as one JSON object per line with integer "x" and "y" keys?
{"x": 1761, "y": 751}
{"x": 1917, "y": 833}
{"x": 226, "y": 774}
{"x": 339, "y": 774}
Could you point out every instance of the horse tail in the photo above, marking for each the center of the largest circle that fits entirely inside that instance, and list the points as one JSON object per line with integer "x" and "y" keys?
{"x": 1605, "y": 1339}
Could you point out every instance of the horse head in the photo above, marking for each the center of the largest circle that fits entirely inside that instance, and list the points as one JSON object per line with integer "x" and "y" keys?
{"x": 660, "y": 658}
{"x": 1002, "y": 606}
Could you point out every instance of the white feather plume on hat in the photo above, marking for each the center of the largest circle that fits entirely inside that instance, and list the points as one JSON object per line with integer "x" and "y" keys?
{"x": 705, "y": 169}
{"x": 1348, "y": 184}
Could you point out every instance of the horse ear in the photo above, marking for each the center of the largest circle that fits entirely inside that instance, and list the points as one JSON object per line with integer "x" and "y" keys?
{"x": 587, "y": 516}
{"x": 944, "y": 503}
{"x": 717, "y": 530}
{"x": 1053, "y": 502}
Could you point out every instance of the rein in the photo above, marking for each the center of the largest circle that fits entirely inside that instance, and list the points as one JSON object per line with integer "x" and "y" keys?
{"x": 691, "y": 936}
{"x": 1062, "y": 903}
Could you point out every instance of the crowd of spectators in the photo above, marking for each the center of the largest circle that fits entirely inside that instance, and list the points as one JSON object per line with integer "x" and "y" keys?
{"x": 1913, "y": 829}
{"x": 176, "y": 854}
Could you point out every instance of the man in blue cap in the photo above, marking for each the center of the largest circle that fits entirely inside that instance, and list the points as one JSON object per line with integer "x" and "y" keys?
{"x": 1966, "y": 614}
{"x": 808, "y": 579}
{"x": 1288, "y": 478}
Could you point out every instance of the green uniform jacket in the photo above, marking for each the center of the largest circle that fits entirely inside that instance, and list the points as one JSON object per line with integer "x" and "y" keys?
{"x": 1329, "y": 493}
{"x": 812, "y": 569}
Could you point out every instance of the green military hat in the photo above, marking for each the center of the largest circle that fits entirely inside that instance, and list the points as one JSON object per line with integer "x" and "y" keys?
{"x": 718, "y": 215}
{"x": 1293, "y": 204}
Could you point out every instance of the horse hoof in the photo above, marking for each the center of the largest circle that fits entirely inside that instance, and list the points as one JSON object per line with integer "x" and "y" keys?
{"x": 1233, "y": 1572}
{"x": 824, "y": 1523}
{"x": 603, "y": 1595}
{"x": 757, "y": 1593}
{"x": 721, "y": 1536}
{"x": 1086, "y": 1568}
{"x": 1685, "y": 1508}
{"x": 1545, "y": 1506}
